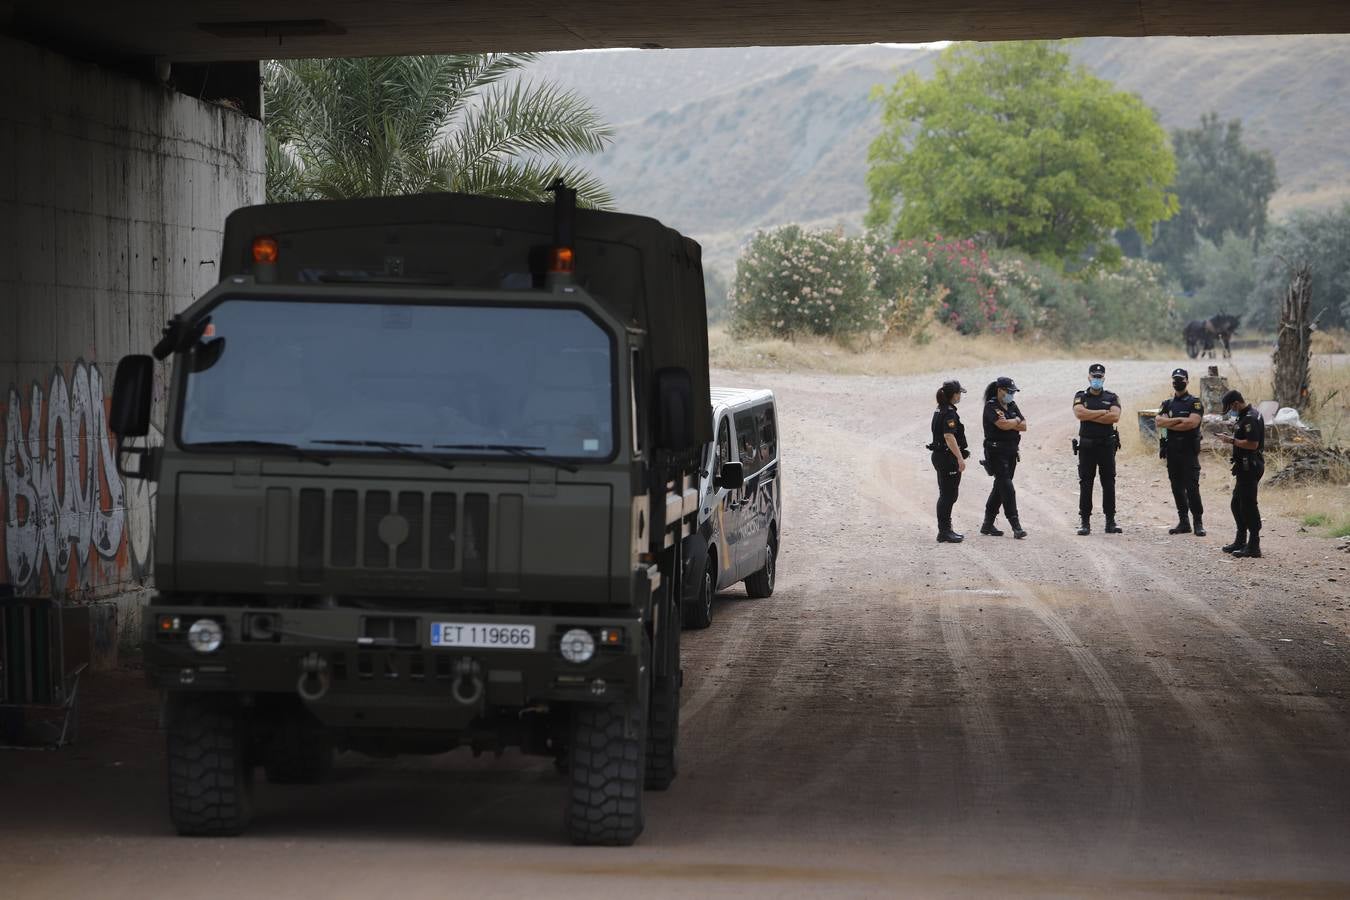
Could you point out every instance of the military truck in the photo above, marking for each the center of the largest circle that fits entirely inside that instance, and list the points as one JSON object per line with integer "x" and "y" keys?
{"x": 428, "y": 469}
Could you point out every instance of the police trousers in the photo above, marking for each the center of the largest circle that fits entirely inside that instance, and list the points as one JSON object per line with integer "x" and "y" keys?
{"x": 949, "y": 487}
{"x": 1097, "y": 457}
{"x": 1246, "y": 511}
{"x": 1002, "y": 466}
{"x": 1183, "y": 470}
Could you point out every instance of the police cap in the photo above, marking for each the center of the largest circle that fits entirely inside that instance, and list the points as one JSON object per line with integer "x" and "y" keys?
{"x": 1229, "y": 398}
{"x": 952, "y": 387}
{"x": 1096, "y": 369}
{"x": 1006, "y": 383}
{"x": 1181, "y": 373}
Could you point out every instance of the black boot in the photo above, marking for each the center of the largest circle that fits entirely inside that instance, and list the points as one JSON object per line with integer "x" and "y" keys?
{"x": 1112, "y": 527}
{"x": 1252, "y": 550}
{"x": 1086, "y": 527}
{"x": 1017, "y": 529}
{"x": 1183, "y": 525}
{"x": 989, "y": 529}
{"x": 1239, "y": 541}
{"x": 1199, "y": 527}
{"x": 947, "y": 536}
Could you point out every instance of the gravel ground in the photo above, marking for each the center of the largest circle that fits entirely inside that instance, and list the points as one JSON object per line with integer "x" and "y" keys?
{"x": 1122, "y": 715}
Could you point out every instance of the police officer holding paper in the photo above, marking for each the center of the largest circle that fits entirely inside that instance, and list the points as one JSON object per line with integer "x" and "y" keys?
{"x": 1178, "y": 422}
{"x": 1098, "y": 411}
{"x": 1249, "y": 464}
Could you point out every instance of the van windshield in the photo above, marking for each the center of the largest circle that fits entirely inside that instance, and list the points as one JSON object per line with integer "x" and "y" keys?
{"x": 351, "y": 376}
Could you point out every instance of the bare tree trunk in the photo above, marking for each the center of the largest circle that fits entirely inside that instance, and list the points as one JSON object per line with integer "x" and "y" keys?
{"x": 1293, "y": 347}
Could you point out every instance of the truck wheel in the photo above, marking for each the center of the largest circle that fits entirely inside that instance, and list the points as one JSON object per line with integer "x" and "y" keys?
{"x": 760, "y": 584}
{"x": 604, "y": 805}
{"x": 698, "y": 615}
{"x": 210, "y": 784}
{"x": 663, "y": 722}
{"x": 300, "y": 753}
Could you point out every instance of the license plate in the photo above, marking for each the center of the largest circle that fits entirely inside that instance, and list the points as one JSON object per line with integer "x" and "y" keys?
{"x": 485, "y": 636}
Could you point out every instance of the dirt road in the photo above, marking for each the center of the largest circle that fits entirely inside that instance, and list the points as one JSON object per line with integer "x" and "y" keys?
{"x": 1126, "y": 715}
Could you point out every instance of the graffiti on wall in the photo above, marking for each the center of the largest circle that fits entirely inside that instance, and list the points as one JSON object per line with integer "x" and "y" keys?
{"x": 69, "y": 524}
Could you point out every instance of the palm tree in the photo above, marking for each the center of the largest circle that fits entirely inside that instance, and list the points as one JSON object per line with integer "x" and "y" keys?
{"x": 378, "y": 126}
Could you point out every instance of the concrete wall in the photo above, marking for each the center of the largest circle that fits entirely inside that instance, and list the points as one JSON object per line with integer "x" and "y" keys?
{"x": 113, "y": 194}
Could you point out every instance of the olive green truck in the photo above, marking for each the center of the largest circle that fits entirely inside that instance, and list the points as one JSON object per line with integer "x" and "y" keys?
{"x": 428, "y": 469}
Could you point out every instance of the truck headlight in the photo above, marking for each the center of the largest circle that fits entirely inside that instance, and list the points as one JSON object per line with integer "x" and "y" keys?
{"x": 577, "y": 645}
{"x": 205, "y": 636}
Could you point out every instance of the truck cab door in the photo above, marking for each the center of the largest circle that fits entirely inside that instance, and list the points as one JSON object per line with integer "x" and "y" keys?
{"x": 723, "y": 511}
{"x": 749, "y": 541}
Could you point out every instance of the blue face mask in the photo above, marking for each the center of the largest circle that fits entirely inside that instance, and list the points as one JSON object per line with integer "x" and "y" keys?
{"x": 1008, "y": 397}
{"x": 1231, "y": 414}
{"x": 1097, "y": 383}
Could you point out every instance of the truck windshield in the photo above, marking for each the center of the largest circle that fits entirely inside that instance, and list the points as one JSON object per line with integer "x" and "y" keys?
{"x": 357, "y": 375}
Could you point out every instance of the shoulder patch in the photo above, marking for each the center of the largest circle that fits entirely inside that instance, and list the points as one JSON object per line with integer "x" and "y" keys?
{"x": 1199, "y": 406}
{"x": 951, "y": 423}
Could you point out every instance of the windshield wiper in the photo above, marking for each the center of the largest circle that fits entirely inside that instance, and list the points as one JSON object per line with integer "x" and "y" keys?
{"x": 297, "y": 452}
{"x": 521, "y": 450}
{"x": 396, "y": 447}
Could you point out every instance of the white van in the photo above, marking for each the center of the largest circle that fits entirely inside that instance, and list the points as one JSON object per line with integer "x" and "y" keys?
{"x": 740, "y": 504}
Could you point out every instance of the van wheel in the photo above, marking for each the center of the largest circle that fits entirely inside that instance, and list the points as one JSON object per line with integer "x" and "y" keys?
{"x": 698, "y": 615}
{"x": 300, "y": 752}
{"x": 760, "y": 584}
{"x": 210, "y": 783}
{"x": 608, "y": 751}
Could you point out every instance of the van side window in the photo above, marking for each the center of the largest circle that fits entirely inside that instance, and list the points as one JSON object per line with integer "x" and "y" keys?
{"x": 747, "y": 441}
{"x": 723, "y": 443}
{"x": 768, "y": 434}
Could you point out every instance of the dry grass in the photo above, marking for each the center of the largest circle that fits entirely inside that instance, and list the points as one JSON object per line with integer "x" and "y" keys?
{"x": 1330, "y": 407}
{"x": 870, "y": 356}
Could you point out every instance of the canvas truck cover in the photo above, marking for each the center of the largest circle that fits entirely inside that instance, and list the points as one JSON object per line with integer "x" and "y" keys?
{"x": 643, "y": 273}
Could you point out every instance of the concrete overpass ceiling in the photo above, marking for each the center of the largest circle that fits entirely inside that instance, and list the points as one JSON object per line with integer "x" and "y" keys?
{"x": 220, "y": 31}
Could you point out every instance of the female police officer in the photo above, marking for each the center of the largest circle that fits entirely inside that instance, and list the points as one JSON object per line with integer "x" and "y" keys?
{"x": 949, "y": 457}
{"x": 1003, "y": 427}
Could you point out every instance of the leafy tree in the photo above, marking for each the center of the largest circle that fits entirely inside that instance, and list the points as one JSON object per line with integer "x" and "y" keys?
{"x": 1011, "y": 144}
{"x": 1226, "y": 272}
{"x": 1320, "y": 239}
{"x": 401, "y": 125}
{"x": 1222, "y": 186}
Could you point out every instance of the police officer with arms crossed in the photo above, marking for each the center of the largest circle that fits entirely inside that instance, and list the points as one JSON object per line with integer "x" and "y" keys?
{"x": 1180, "y": 414}
{"x": 949, "y": 457}
{"x": 1249, "y": 464}
{"x": 1003, "y": 427}
{"x": 1098, "y": 411}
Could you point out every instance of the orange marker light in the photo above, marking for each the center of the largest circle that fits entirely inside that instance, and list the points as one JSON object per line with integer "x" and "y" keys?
{"x": 563, "y": 260}
{"x": 265, "y": 250}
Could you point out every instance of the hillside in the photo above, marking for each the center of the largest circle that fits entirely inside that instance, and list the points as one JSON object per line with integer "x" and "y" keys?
{"x": 720, "y": 142}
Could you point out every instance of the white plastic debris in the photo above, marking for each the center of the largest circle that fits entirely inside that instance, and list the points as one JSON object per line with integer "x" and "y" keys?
{"x": 1287, "y": 415}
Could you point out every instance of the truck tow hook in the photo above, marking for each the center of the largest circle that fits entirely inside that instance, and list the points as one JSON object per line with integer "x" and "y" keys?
{"x": 468, "y": 687}
{"x": 314, "y": 678}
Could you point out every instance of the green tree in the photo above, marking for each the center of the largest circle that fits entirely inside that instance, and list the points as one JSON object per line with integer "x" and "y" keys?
{"x": 1222, "y": 186}
{"x": 402, "y": 125}
{"x": 1320, "y": 239}
{"x": 1012, "y": 144}
{"x": 1226, "y": 273}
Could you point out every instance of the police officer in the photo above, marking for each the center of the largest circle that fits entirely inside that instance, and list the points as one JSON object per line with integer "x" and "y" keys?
{"x": 1003, "y": 427}
{"x": 949, "y": 457}
{"x": 1098, "y": 411}
{"x": 1249, "y": 464}
{"x": 1180, "y": 414}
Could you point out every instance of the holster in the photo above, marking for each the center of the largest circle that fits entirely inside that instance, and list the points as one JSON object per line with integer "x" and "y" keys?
{"x": 1162, "y": 448}
{"x": 1115, "y": 439}
{"x": 1075, "y": 446}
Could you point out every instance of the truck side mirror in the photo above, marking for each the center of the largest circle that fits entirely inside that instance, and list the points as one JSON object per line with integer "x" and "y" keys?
{"x": 675, "y": 409}
{"x": 130, "y": 412}
{"x": 732, "y": 476}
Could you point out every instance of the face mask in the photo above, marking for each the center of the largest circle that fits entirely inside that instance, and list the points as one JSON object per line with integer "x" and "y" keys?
{"x": 1008, "y": 397}
{"x": 1178, "y": 384}
{"x": 1097, "y": 383}
{"x": 1231, "y": 414}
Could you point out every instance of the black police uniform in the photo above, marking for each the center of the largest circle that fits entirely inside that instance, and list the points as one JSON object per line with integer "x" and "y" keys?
{"x": 1183, "y": 458}
{"x": 1000, "y": 451}
{"x": 1248, "y": 467}
{"x": 1096, "y": 453}
{"x": 945, "y": 422}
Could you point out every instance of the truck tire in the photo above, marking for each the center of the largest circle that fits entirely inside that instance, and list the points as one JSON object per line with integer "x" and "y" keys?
{"x": 300, "y": 752}
{"x": 663, "y": 722}
{"x": 210, "y": 783}
{"x": 605, "y": 777}
{"x": 698, "y": 614}
{"x": 760, "y": 584}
